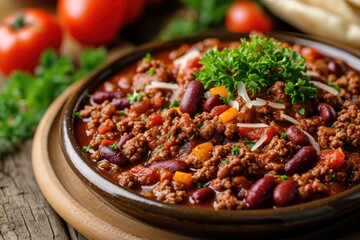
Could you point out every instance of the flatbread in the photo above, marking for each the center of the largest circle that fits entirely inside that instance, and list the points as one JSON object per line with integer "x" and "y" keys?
{"x": 337, "y": 20}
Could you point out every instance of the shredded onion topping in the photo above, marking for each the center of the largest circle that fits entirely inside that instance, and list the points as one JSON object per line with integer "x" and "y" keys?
{"x": 207, "y": 94}
{"x": 163, "y": 85}
{"x": 252, "y": 125}
{"x": 262, "y": 102}
{"x": 312, "y": 141}
{"x": 312, "y": 73}
{"x": 290, "y": 119}
{"x": 326, "y": 87}
{"x": 259, "y": 143}
{"x": 234, "y": 104}
{"x": 182, "y": 61}
{"x": 241, "y": 91}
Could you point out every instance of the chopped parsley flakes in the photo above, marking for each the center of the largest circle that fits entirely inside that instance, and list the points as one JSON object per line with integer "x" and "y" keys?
{"x": 134, "y": 97}
{"x": 175, "y": 103}
{"x": 249, "y": 142}
{"x": 235, "y": 150}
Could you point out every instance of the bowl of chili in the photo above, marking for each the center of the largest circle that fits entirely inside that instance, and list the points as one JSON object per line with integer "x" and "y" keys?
{"x": 222, "y": 134}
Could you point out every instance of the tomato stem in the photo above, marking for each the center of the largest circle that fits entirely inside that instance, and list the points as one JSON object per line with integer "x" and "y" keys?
{"x": 19, "y": 22}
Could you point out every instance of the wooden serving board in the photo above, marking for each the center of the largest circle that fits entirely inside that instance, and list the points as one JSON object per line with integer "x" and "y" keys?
{"x": 71, "y": 199}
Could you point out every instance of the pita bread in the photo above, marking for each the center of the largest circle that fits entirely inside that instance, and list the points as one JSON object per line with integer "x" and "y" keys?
{"x": 337, "y": 20}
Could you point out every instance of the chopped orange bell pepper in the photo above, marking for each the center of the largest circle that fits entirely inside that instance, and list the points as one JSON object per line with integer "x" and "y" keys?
{"x": 203, "y": 151}
{"x": 183, "y": 177}
{"x": 228, "y": 115}
{"x": 107, "y": 126}
{"x": 221, "y": 90}
{"x": 177, "y": 109}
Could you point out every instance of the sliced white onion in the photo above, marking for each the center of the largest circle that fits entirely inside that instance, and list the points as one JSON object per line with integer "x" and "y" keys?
{"x": 290, "y": 119}
{"x": 252, "y": 125}
{"x": 259, "y": 143}
{"x": 261, "y": 102}
{"x": 163, "y": 85}
{"x": 207, "y": 94}
{"x": 312, "y": 73}
{"x": 326, "y": 87}
{"x": 241, "y": 91}
{"x": 234, "y": 104}
{"x": 276, "y": 105}
{"x": 182, "y": 61}
{"x": 312, "y": 141}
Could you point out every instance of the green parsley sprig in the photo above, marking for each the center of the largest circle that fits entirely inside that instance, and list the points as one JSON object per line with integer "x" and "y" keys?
{"x": 134, "y": 97}
{"x": 259, "y": 62}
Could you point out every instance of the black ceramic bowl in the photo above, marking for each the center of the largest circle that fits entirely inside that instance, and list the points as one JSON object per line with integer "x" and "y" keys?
{"x": 187, "y": 220}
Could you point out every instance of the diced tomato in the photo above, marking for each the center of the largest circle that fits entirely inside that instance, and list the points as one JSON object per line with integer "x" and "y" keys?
{"x": 310, "y": 54}
{"x": 107, "y": 126}
{"x": 257, "y": 133}
{"x": 156, "y": 119}
{"x": 194, "y": 63}
{"x": 159, "y": 102}
{"x": 165, "y": 175}
{"x": 145, "y": 175}
{"x": 333, "y": 158}
{"x": 216, "y": 111}
{"x": 107, "y": 142}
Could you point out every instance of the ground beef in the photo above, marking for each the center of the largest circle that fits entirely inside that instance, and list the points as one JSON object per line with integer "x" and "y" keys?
{"x": 169, "y": 193}
{"x": 135, "y": 148}
{"x": 127, "y": 179}
{"x": 347, "y": 126}
{"x": 227, "y": 201}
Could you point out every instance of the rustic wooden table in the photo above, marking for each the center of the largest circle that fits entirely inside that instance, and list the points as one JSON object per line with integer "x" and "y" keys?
{"x": 25, "y": 213}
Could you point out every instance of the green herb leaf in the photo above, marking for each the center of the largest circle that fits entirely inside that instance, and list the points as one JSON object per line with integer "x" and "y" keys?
{"x": 169, "y": 135}
{"x": 249, "y": 142}
{"x": 283, "y": 135}
{"x": 94, "y": 136}
{"x": 259, "y": 63}
{"x": 86, "y": 148}
{"x": 302, "y": 111}
{"x": 223, "y": 161}
{"x": 175, "y": 103}
{"x": 77, "y": 115}
{"x": 284, "y": 177}
{"x": 148, "y": 57}
{"x": 151, "y": 72}
{"x": 122, "y": 112}
{"x": 114, "y": 146}
{"x": 235, "y": 150}
{"x": 334, "y": 177}
{"x": 134, "y": 97}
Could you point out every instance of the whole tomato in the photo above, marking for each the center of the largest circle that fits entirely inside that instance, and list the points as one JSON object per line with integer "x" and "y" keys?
{"x": 24, "y": 36}
{"x": 93, "y": 22}
{"x": 245, "y": 16}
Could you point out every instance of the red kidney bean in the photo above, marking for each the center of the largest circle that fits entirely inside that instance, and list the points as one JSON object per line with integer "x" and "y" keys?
{"x": 212, "y": 102}
{"x": 120, "y": 103}
{"x": 192, "y": 97}
{"x": 337, "y": 68}
{"x": 115, "y": 157}
{"x": 260, "y": 192}
{"x": 297, "y": 136}
{"x": 305, "y": 158}
{"x": 124, "y": 139}
{"x": 327, "y": 113}
{"x": 202, "y": 194}
{"x": 171, "y": 165}
{"x": 285, "y": 193}
{"x": 101, "y": 96}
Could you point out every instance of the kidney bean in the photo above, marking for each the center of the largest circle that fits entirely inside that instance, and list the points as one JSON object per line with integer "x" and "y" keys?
{"x": 297, "y": 136}
{"x": 120, "y": 103}
{"x": 305, "y": 158}
{"x": 101, "y": 96}
{"x": 124, "y": 139}
{"x": 115, "y": 157}
{"x": 212, "y": 102}
{"x": 285, "y": 193}
{"x": 327, "y": 113}
{"x": 223, "y": 172}
{"x": 337, "y": 68}
{"x": 202, "y": 194}
{"x": 192, "y": 97}
{"x": 171, "y": 165}
{"x": 260, "y": 192}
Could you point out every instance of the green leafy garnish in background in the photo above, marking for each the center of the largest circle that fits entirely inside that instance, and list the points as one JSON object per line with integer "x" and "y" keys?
{"x": 24, "y": 98}
{"x": 259, "y": 62}
{"x": 200, "y": 15}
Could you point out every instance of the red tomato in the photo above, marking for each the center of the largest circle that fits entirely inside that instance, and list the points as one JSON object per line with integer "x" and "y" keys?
{"x": 194, "y": 63}
{"x": 135, "y": 9}
{"x": 245, "y": 16}
{"x": 333, "y": 158}
{"x": 145, "y": 175}
{"x": 24, "y": 36}
{"x": 216, "y": 111}
{"x": 93, "y": 22}
{"x": 156, "y": 119}
{"x": 310, "y": 54}
{"x": 256, "y": 133}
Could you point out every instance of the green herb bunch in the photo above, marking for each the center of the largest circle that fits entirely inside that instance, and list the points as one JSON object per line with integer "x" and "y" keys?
{"x": 24, "y": 98}
{"x": 259, "y": 62}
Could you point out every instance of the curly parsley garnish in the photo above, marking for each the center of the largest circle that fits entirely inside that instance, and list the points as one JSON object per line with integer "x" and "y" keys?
{"x": 259, "y": 63}
{"x": 114, "y": 147}
{"x": 235, "y": 150}
{"x": 134, "y": 97}
{"x": 249, "y": 142}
